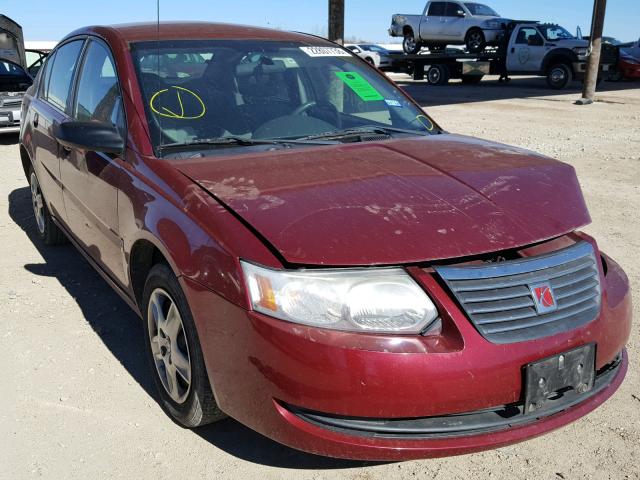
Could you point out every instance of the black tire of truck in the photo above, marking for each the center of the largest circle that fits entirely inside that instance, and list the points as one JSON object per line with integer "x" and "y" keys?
{"x": 475, "y": 40}
{"x": 438, "y": 75}
{"x": 615, "y": 75}
{"x": 559, "y": 76}
{"x": 472, "y": 79}
{"x": 410, "y": 45}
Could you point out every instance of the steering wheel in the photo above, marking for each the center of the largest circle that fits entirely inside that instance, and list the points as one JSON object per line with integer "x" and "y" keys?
{"x": 327, "y": 106}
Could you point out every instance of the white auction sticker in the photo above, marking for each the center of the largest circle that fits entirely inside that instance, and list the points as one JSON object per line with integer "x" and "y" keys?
{"x": 325, "y": 52}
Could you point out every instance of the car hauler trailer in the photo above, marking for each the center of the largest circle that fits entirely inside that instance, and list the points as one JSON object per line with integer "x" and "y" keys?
{"x": 528, "y": 48}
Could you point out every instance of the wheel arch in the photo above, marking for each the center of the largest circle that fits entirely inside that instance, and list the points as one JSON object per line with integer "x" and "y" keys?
{"x": 554, "y": 57}
{"x": 26, "y": 161}
{"x": 408, "y": 30}
{"x": 146, "y": 252}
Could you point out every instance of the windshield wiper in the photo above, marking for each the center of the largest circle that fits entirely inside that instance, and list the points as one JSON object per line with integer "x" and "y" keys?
{"x": 363, "y": 130}
{"x": 239, "y": 141}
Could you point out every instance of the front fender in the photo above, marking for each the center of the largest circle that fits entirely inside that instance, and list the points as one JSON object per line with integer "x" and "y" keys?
{"x": 198, "y": 237}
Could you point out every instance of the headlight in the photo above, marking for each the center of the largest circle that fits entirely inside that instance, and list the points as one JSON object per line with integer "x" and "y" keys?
{"x": 493, "y": 24}
{"x": 385, "y": 300}
{"x": 581, "y": 51}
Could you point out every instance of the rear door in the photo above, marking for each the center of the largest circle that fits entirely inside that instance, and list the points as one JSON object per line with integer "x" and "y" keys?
{"x": 50, "y": 107}
{"x": 526, "y": 51}
{"x": 431, "y": 24}
{"x": 454, "y": 26}
{"x": 90, "y": 178}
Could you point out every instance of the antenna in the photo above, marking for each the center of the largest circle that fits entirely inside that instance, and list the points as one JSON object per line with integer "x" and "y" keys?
{"x": 158, "y": 71}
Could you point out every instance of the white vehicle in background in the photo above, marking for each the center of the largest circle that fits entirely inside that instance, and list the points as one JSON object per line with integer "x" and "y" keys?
{"x": 443, "y": 23}
{"x": 374, "y": 54}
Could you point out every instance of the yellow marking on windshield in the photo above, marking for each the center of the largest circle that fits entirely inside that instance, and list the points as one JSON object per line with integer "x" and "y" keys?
{"x": 425, "y": 122}
{"x": 197, "y": 106}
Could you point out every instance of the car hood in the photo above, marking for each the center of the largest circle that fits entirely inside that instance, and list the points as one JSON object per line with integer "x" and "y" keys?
{"x": 570, "y": 42}
{"x": 396, "y": 201}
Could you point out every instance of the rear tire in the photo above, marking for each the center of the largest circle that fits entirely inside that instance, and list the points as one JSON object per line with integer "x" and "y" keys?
{"x": 559, "y": 76}
{"x": 46, "y": 228}
{"x": 438, "y": 75}
{"x": 475, "y": 40}
{"x": 174, "y": 352}
{"x": 410, "y": 45}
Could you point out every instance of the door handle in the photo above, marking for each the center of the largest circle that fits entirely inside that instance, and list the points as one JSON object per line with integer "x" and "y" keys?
{"x": 513, "y": 50}
{"x": 64, "y": 151}
{"x": 36, "y": 118}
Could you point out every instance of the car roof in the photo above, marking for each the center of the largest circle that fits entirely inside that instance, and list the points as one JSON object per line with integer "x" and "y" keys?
{"x": 149, "y": 31}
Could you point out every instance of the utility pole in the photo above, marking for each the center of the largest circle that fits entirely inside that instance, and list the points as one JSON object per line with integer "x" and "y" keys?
{"x": 336, "y": 21}
{"x": 593, "y": 61}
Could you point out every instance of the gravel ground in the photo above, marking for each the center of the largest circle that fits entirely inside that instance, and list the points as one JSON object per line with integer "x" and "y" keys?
{"x": 77, "y": 401}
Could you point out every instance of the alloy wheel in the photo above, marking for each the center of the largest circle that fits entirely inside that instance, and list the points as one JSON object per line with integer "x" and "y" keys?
{"x": 475, "y": 41}
{"x": 38, "y": 203}
{"x": 169, "y": 345}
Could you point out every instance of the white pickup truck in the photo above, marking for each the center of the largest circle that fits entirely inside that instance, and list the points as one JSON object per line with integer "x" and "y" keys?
{"x": 455, "y": 22}
{"x": 528, "y": 48}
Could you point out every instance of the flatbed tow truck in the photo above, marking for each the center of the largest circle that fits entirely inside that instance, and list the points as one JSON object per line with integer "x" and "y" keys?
{"x": 528, "y": 48}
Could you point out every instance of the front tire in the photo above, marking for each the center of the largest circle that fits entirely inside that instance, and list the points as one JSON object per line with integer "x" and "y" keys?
{"x": 559, "y": 76}
{"x": 410, "y": 45}
{"x": 46, "y": 228}
{"x": 475, "y": 40}
{"x": 174, "y": 352}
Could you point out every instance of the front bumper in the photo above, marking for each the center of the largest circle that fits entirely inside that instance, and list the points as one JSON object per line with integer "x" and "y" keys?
{"x": 265, "y": 372}
{"x": 10, "y": 120}
{"x": 630, "y": 70}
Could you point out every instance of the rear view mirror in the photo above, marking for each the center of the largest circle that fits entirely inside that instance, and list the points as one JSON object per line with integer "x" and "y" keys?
{"x": 92, "y": 136}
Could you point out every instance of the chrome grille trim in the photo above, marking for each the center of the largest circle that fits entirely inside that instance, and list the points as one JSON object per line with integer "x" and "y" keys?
{"x": 499, "y": 303}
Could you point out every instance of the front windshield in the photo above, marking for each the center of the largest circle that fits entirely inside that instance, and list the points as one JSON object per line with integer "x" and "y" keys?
{"x": 555, "y": 32}
{"x": 481, "y": 10}
{"x": 194, "y": 90}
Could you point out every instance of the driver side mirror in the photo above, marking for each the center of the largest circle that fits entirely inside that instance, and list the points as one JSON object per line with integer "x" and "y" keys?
{"x": 92, "y": 136}
{"x": 461, "y": 14}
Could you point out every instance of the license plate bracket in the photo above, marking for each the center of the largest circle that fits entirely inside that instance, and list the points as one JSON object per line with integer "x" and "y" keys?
{"x": 556, "y": 375}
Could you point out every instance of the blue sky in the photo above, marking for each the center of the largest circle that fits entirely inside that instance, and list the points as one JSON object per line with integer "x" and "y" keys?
{"x": 366, "y": 20}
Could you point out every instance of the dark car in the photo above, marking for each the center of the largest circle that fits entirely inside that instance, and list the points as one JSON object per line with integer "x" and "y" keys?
{"x": 311, "y": 254}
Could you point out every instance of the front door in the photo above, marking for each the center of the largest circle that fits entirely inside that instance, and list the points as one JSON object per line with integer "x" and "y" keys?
{"x": 527, "y": 51}
{"x": 90, "y": 178}
{"x": 431, "y": 24}
{"x": 455, "y": 24}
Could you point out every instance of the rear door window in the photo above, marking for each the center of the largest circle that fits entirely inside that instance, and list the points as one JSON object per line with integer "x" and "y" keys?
{"x": 64, "y": 66}
{"x": 437, "y": 9}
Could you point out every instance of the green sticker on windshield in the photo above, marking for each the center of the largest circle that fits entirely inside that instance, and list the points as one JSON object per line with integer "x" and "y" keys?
{"x": 360, "y": 86}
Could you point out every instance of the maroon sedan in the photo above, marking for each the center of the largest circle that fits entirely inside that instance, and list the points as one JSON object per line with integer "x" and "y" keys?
{"x": 311, "y": 254}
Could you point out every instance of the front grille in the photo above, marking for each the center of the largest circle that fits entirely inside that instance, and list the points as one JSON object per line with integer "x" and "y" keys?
{"x": 11, "y": 102}
{"x": 497, "y": 297}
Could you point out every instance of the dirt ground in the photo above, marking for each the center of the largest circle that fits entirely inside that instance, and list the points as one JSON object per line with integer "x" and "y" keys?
{"x": 76, "y": 400}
